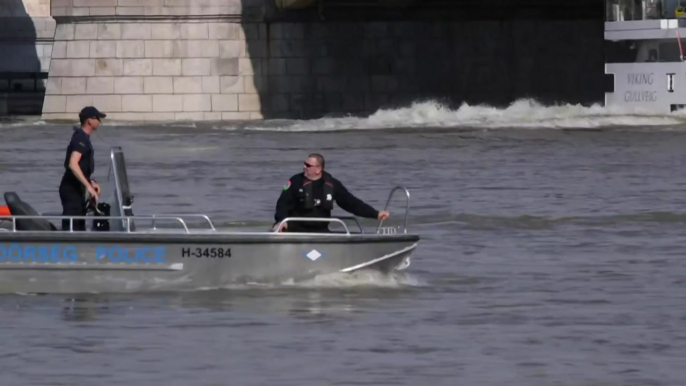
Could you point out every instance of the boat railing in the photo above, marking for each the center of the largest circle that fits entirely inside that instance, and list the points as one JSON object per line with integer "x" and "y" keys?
{"x": 387, "y": 230}
{"x": 313, "y": 219}
{"x": 354, "y": 219}
{"x": 181, "y": 216}
{"x": 126, "y": 219}
{"x": 391, "y": 230}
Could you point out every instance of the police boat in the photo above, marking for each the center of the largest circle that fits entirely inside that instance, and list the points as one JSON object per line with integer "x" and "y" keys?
{"x": 123, "y": 252}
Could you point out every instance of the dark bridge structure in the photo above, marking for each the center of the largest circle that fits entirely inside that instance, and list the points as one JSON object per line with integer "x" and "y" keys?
{"x": 25, "y": 49}
{"x": 460, "y": 51}
{"x": 460, "y": 9}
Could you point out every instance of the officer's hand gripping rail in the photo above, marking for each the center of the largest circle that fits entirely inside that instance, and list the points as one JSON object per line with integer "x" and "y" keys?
{"x": 387, "y": 230}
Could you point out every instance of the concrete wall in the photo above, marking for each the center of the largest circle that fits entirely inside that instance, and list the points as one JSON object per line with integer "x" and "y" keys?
{"x": 153, "y": 71}
{"x": 192, "y": 66}
{"x": 153, "y": 8}
{"x": 23, "y": 8}
{"x": 26, "y": 33}
{"x": 234, "y": 59}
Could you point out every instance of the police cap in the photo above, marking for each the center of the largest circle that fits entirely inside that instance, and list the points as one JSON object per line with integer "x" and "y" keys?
{"x": 90, "y": 112}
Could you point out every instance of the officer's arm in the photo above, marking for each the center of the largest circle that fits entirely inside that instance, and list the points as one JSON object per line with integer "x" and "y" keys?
{"x": 79, "y": 149}
{"x": 352, "y": 204}
{"x": 284, "y": 203}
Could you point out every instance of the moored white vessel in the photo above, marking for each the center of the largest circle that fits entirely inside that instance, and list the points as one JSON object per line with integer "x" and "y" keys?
{"x": 644, "y": 55}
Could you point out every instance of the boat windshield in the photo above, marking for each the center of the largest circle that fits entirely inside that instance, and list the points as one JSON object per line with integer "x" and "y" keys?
{"x": 120, "y": 196}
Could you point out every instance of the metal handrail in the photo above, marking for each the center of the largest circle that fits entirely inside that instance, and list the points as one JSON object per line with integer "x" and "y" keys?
{"x": 357, "y": 222}
{"x": 204, "y": 216}
{"x": 72, "y": 218}
{"x": 407, "y": 207}
{"x": 387, "y": 231}
{"x": 308, "y": 219}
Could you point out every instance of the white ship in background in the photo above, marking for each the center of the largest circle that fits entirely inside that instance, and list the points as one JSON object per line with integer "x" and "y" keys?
{"x": 644, "y": 54}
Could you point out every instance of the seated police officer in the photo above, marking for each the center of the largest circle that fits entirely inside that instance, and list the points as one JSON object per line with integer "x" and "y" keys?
{"x": 77, "y": 185}
{"x": 312, "y": 193}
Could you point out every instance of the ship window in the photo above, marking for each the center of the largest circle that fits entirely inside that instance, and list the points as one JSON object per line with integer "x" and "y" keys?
{"x": 630, "y": 51}
{"x": 669, "y": 52}
{"x": 621, "y": 10}
{"x": 624, "y": 51}
{"x": 609, "y": 82}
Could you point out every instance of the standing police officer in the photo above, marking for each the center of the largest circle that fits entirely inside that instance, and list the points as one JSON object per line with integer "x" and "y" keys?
{"x": 79, "y": 165}
{"x": 312, "y": 193}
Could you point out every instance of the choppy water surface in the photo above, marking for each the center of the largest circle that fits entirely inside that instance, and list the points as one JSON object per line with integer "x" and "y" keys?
{"x": 551, "y": 255}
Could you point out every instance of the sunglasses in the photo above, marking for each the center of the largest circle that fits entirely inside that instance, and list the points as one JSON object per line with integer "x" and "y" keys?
{"x": 309, "y": 166}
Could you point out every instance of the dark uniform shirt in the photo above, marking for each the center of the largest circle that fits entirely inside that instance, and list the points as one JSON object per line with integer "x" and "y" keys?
{"x": 80, "y": 141}
{"x": 293, "y": 202}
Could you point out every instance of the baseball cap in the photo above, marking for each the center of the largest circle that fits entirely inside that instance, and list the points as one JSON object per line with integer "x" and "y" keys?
{"x": 90, "y": 112}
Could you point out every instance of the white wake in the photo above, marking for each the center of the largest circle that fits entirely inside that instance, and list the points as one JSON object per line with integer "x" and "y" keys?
{"x": 523, "y": 113}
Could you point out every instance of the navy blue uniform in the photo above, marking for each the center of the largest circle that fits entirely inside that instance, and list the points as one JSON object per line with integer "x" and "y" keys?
{"x": 302, "y": 197}
{"x": 72, "y": 191}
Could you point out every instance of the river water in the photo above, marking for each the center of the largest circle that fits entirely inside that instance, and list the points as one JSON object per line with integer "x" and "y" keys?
{"x": 552, "y": 253}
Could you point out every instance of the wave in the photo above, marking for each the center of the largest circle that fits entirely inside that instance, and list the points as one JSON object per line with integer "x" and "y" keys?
{"x": 524, "y": 113}
{"x": 544, "y": 222}
{"x": 362, "y": 278}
